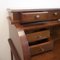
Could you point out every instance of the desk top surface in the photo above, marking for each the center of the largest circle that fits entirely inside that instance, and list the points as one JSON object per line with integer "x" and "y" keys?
{"x": 31, "y": 10}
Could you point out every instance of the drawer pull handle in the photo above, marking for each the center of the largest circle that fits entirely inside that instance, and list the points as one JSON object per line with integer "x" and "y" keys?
{"x": 38, "y": 36}
{"x": 37, "y": 16}
{"x": 42, "y": 50}
{"x": 55, "y": 13}
{"x": 59, "y": 20}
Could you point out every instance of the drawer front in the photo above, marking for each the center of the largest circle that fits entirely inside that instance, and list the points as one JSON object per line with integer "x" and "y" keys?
{"x": 34, "y": 16}
{"x": 41, "y": 48}
{"x": 38, "y": 35}
{"x": 54, "y": 15}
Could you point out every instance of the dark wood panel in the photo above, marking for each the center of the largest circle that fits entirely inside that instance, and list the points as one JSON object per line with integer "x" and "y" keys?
{"x": 38, "y": 35}
{"x": 29, "y": 21}
{"x": 55, "y": 32}
{"x": 39, "y": 48}
{"x": 31, "y": 16}
{"x": 50, "y": 55}
{"x": 34, "y": 16}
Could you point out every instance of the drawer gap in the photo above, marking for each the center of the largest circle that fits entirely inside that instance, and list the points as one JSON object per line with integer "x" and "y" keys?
{"x": 36, "y": 22}
{"x": 33, "y": 23}
{"x": 34, "y": 30}
{"x": 38, "y": 42}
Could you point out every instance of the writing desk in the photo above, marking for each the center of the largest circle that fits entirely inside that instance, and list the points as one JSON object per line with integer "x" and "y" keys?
{"x": 38, "y": 26}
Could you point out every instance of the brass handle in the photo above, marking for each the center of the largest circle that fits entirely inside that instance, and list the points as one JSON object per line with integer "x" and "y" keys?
{"x": 55, "y": 13}
{"x": 42, "y": 50}
{"x": 37, "y": 16}
{"x": 38, "y": 36}
{"x": 59, "y": 20}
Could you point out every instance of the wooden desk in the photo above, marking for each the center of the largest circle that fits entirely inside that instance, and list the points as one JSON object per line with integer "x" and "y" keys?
{"x": 46, "y": 25}
{"x": 39, "y": 30}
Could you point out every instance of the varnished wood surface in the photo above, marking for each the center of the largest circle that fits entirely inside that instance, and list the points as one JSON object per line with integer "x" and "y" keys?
{"x": 50, "y": 55}
{"x": 17, "y": 19}
{"x": 32, "y": 10}
{"x": 38, "y": 35}
{"x": 40, "y": 48}
{"x": 55, "y": 32}
{"x": 34, "y": 16}
{"x": 25, "y": 16}
{"x": 46, "y": 25}
{"x": 13, "y": 51}
{"x": 20, "y": 43}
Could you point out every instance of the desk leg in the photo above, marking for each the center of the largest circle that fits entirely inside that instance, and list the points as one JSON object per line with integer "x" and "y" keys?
{"x": 11, "y": 55}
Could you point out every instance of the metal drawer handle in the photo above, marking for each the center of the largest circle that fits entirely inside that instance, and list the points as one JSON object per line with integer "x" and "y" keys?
{"x": 37, "y": 16}
{"x": 38, "y": 36}
{"x": 59, "y": 20}
{"x": 42, "y": 50}
{"x": 55, "y": 13}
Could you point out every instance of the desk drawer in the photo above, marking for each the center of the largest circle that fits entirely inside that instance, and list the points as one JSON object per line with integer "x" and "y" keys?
{"x": 34, "y": 16}
{"x": 38, "y": 35}
{"x": 54, "y": 15}
{"x": 39, "y": 48}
